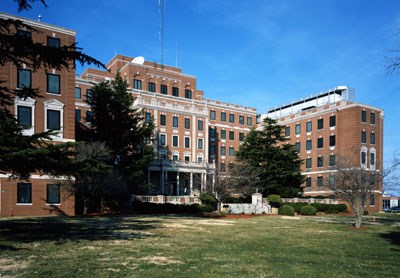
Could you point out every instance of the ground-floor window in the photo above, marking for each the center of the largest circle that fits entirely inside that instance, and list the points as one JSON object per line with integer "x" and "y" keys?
{"x": 53, "y": 194}
{"x": 24, "y": 193}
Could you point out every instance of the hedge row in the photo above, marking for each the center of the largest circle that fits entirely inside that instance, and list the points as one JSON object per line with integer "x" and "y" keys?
{"x": 326, "y": 208}
{"x": 152, "y": 208}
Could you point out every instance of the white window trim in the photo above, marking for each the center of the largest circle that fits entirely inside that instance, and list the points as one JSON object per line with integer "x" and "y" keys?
{"x": 53, "y": 104}
{"x": 372, "y": 166}
{"x": 364, "y": 149}
{"x": 29, "y": 102}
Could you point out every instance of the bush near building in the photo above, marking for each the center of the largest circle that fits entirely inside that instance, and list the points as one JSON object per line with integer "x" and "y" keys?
{"x": 326, "y": 208}
{"x": 286, "y": 210}
{"x": 308, "y": 210}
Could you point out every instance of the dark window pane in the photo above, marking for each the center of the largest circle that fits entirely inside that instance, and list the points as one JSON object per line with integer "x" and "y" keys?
{"x": 24, "y": 193}
{"x": 152, "y": 87}
{"x": 53, "y": 83}
{"x": 24, "y": 78}
{"x": 364, "y": 116}
{"x": 175, "y": 91}
{"x": 77, "y": 115}
{"x": 137, "y": 84}
{"x": 372, "y": 118}
{"x": 188, "y": 94}
{"x": 164, "y": 89}
{"x": 162, "y": 119}
{"x": 53, "y": 193}
{"x": 25, "y": 116}
{"x": 241, "y": 120}
{"x": 332, "y": 121}
{"x": 320, "y": 123}
{"x": 53, "y": 42}
{"x": 77, "y": 92}
{"x": 53, "y": 119}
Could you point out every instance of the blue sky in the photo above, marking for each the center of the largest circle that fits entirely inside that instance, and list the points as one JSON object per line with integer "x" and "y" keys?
{"x": 258, "y": 53}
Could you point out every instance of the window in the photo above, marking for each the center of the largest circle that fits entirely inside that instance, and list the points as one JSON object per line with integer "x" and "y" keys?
{"x": 332, "y": 121}
{"x": 162, "y": 119}
{"x": 89, "y": 116}
{"x": 241, "y": 136}
{"x": 147, "y": 117}
{"x": 308, "y": 145}
{"x": 187, "y": 158}
{"x": 364, "y": 116}
{"x": 152, "y": 87}
{"x": 175, "y": 141}
{"x": 163, "y": 140}
{"x": 212, "y": 114}
{"x": 363, "y": 157}
{"x": 231, "y": 118}
{"x": 320, "y": 143}
{"x": 223, "y": 134}
{"x": 175, "y": 91}
{"x": 213, "y": 133}
{"x": 187, "y": 142}
{"x": 308, "y": 163}
{"x": 320, "y": 124}
{"x": 53, "y": 119}
{"x": 320, "y": 181}
{"x": 24, "y": 116}
{"x": 53, "y": 194}
{"x": 77, "y": 92}
{"x": 372, "y": 138}
{"x": 308, "y": 126}
{"x": 223, "y": 116}
{"x": 24, "y": 34}
{"x": 372, "y": 161}
{"x": 148, "y": 140}
{"x": 53, "y": 83}
{"x": 53, "y": 42}
{"x": 89, "y": 94}
{"x": 175, "y": 121}
{"x": 308, "y": 182}
{"x": 372, "y": 118}
{"x": 231, "y": 135}
{"x": 332, "y": 160}
{"x": 231, "y": 151}
{"x": 320, "y": 161}
{"x": 137, "y": 84}
{"x": 332, "y": 141}
{"x": 175, "y": 157}
{"x": 212, "y": 150}
{"x": 332, "y": 181}
{"x": 297, "y": 129}
{"x": 188, "y": 94}
{"x": 287, "y": 131}
{"x": 187, "y": 123}
{"x": 249, "y": 121}
{"x": 24, "y": 193}
{"x": 363, "y": 137}
{"x": 200, "y": 125}
{"x": 77, "y": 115}
{"x": 164, "y": 89}
{"x": 223, "y": 150}
{"x": 241, "y": 120}
{"x": 223, "y": 167}
{"x": 297, "y": 147}
{"x": 200, "y": 144}
{"x": 200, "y": 159}
{"x": 372, "y": 200}
{"x": 24, "y": 78}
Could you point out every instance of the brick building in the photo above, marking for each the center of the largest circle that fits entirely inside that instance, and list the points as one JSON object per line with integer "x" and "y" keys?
{"x": 193, "y": 135}
{"x": 329, "y": 126}
{"x": 53, "y": 110}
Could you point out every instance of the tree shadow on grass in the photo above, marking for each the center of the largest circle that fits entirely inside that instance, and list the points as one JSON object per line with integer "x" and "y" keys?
{"x": 61, "y": 229}
{"x": 393, "y": 237}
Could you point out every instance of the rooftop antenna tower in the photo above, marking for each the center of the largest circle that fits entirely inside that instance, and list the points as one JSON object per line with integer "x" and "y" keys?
{"x": 161, "y": 8}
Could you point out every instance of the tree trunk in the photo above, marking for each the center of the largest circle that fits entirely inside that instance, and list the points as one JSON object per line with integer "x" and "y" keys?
{"x": 359, "y": 215}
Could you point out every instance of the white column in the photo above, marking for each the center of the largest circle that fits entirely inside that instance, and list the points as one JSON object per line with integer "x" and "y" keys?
{"x": 177, "y": 183}
{"x": 191, "y": 183}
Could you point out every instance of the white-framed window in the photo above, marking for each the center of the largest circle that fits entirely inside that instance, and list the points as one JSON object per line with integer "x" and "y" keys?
{"x": 54, "y": 117}
{"x": 200, "y": 144}
{"x": 175, "y": 141}
{"x": 363, "y": 157}
{"x": 163, "y": 140}
{"x": 24, "y": 193}
{"x": 25, "y": 114}
{"x": 372, "y": 158}
{"x": 53, "y": 194}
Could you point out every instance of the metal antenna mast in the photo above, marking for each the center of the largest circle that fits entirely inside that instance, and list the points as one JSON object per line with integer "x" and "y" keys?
{"x": 161, "y": 32}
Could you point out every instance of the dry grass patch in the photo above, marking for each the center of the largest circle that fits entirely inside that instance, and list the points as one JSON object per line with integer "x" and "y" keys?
{"x": 160, "y": 260}
{"x": 12, "y": 265}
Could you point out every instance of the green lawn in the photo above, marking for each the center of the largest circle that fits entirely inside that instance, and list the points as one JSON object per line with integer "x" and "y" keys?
{"x": 175, "y": 246}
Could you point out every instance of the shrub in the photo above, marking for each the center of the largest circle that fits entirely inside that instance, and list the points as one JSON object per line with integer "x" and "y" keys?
{"x": 308, "y": 210}
{"x": 275, "y": 200}
{"x": 297, "y": 206}
{"x": 286, "y": 210}
{"x": 152, "y": 208}
{"x": 208, "y": 199}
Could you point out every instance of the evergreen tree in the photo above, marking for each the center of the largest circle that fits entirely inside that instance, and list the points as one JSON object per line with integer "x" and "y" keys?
{"x": 268, "y": 162}
{"x": 20, "y": 154}
{"x": 122, "y": 128}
